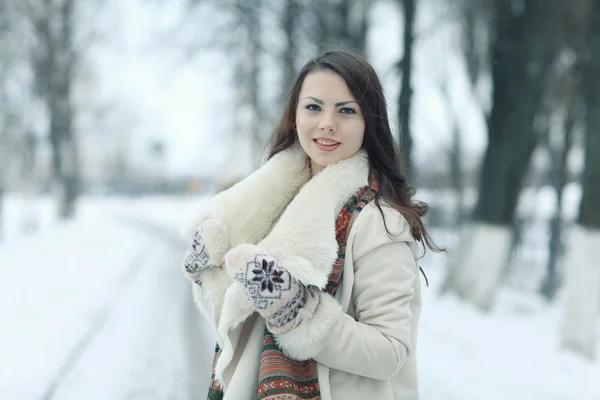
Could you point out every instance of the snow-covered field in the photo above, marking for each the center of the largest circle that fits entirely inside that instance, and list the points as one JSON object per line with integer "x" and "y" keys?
{"x": 96, "y": 308}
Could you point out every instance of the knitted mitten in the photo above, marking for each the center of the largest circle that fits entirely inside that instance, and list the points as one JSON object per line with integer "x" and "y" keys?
{"x": 274, "y": 292}
{"x": 207, "y": 249}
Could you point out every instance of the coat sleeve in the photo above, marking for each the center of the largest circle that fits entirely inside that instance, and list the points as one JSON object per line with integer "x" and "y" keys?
{"x": 376, "y": 343}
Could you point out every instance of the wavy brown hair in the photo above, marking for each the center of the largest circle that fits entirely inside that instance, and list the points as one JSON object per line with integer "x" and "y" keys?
{"x": 385, "y": 161}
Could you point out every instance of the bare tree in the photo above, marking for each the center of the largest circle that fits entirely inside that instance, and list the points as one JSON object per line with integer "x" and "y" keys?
{"x": 289, "y": 23}
{"x": 455, "y": 155}
{"x": 3, "y": 105}
{"x": 405, "y": 98}
{"x": 453, "y": 173}
{"x": 245, "y": 44}
{"x": 6, "y": 115}
{"x": 475, "y": 17}
{"x": 248, "y": 64}
{"x": 589, "y": 214}
{"x": 3, "y": 162}
{"x": 340, "y": 24}
{"x": 567, "y": 90}
{"x": 53, "y": 60}
{"x": 580, "y": 314}
{"x": 524, "y": 43}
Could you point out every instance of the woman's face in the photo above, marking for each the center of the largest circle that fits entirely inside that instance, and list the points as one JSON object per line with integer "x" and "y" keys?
{"x": 329, "y": 122}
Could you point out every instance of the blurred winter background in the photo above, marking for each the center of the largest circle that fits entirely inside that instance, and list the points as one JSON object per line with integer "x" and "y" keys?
{"x": 118, "y": 118}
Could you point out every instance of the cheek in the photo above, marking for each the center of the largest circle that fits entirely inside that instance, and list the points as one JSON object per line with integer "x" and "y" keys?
{"x": 357, "y": 131}
{"x": 303, "y": 126}
{"x": 362, "y": 133}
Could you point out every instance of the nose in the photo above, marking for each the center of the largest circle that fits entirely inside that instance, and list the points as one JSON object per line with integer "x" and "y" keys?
{"x": 326, "y": 124}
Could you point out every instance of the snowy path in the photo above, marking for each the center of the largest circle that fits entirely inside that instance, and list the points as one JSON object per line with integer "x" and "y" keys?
{"x": 148, "y": 341}
{"x": 119, "y": 323}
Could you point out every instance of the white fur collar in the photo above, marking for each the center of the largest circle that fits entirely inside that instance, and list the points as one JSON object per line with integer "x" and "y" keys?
{"x": 288, "y": 214}
{"x": 281, "y": 209}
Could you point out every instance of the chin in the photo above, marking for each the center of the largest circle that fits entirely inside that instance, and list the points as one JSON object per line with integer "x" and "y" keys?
{"x": 321, "y": 159}
{"x": 325, "y": 161}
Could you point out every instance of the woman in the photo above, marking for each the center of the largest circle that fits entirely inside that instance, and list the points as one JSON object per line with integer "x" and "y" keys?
{"x": 308, "y": 268}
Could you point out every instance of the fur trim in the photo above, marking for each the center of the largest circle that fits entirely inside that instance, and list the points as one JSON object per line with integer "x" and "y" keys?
{"x": 250, "y": 207}
{"x": 237, "y": 307}
{"x": 209, "y": 297}
{"x": 306, "y": 340}
{"x": 215, "y": 239}
{"x": 303, "y": 239}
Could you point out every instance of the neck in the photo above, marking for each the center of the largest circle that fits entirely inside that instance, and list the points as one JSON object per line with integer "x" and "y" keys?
{"x": 315, "y": 168}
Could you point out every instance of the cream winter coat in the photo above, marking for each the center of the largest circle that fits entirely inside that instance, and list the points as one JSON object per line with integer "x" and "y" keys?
{"x": 364, "y": 340}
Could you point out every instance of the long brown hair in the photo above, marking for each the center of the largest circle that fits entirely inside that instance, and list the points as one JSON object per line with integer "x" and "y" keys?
{"x": 385, "y": 161}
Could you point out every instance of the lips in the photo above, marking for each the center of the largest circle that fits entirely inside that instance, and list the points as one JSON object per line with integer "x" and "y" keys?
{"x": 326, "y": 145}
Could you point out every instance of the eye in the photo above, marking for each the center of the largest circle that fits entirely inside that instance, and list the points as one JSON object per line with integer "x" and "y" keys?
{"x": 347, "y": 110}
{"x": 313, "y": 107}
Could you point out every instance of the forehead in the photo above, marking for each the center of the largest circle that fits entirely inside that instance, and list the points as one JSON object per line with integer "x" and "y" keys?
{"x": 324, "y": 85}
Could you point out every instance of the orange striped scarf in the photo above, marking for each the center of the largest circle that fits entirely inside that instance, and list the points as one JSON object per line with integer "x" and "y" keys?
{"x": 281, "y": 378}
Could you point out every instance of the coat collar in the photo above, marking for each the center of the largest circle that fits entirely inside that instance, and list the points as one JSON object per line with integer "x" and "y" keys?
{"x": 303, "y": 239}
{"x": 280, "y": 208}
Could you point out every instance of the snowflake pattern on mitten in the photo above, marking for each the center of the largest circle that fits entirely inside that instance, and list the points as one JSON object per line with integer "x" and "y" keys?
{"x": 274, "y": 292}
{"x": 198, "y": 256}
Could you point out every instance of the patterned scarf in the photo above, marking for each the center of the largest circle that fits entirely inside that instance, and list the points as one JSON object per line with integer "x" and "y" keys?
{"x": 279, "y": 377}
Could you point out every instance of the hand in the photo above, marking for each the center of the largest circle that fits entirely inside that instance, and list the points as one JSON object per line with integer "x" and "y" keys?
{"x": 274, "y": 292}
{"x": 207, "y": 249}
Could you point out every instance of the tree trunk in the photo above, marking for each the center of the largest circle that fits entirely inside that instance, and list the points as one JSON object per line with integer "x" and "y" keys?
{"x": 4, "y": 29}
{"x": 64, "y": 146}
{"x": 248, "y": 136}
{"x": 470, "y": 18}
{"x": 511, "y": 138}
{"x": 457, "y": 176}
{"x": 2, "y": 183}
{"x": 560, "y": 176}
{"x": 61, "y": 113}
{"x": 360, "y": 17}
{"x": 3, "y": 142}
{"x": 2, "y": 190}
{"x": 253, "y": 28}
{"x": 341, "y": 25}
{"x": 29, "y": 183}
{"x": 290, "y": 17}
{"x": 405, "y": 98}
{"x": 352, "y": 32}
{"x": 522, "y": 50}
{"x": 580, "y": 315}
{"x": 589, "y": 211}
{"x": 455, "y": 156}
{"x": 54, "y": 66}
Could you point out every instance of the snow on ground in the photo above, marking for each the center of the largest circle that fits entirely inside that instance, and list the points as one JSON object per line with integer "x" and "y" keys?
{"x": 513, "y": 353}
{"x": 141, "y": 351}
{"x": 98, "y": 306}
{"x": 95, "y": 308}
{"x": 53, "y": 285}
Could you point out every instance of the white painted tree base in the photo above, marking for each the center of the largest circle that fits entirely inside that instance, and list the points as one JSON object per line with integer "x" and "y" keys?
{"x": 581, "y": 291}
{"x": 477, "y": 264}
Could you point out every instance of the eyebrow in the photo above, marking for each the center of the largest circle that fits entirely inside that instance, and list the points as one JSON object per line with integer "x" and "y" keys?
{"x": 321, "y": 102}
